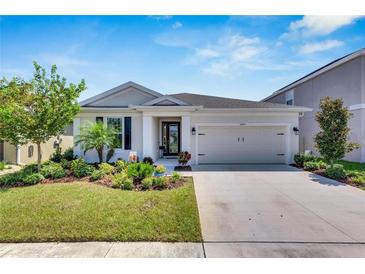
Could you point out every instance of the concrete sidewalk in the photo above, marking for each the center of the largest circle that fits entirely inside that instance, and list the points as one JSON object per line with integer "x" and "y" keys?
{"x": 181, "y": 250}
{"x": 102, "y": 250}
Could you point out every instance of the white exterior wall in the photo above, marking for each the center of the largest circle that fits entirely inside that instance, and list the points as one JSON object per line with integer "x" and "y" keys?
{"x": 289, "y": 119}
{"x": 186, "y": 133}
{"x": 146, "y": 129}
{"x": 91, "y": 156}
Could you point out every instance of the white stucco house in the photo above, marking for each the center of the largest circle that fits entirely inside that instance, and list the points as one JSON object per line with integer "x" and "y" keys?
{"x": 215, "y": 130}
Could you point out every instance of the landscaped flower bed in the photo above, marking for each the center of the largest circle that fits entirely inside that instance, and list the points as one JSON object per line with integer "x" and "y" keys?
{"x": 342, "y": 172}
{"x": 119, "y": 175}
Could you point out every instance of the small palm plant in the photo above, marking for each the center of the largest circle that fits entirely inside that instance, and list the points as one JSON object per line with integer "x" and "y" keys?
{"x": 97, "y": 136}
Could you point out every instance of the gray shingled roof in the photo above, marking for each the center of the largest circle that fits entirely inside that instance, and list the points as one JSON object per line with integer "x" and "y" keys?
{"x": 221, "y": 102}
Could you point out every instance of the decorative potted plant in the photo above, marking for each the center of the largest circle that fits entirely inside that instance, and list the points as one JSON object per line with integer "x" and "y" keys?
{"x": 160, "y": 170}
{"x": 184, "y": 158}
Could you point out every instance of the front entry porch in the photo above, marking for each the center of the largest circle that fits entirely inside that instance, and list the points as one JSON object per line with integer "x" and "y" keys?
{"x": 164, "y": 137}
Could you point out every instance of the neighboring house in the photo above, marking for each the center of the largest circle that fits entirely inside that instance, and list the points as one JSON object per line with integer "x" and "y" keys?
{"x": 343, "y": 78}
{"x": 213, "y": 129}
{"x": 27, "y": 154}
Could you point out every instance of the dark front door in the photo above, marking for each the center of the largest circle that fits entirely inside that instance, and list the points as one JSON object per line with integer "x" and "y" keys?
{"x": 171, "y": 138}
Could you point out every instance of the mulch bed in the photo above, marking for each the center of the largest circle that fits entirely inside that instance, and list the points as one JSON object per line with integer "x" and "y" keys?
{"x": 322, "y": 172}
{"x": 107, "y": 182}
{"x": 67, "y": 179}
{"x": 182, "y": 168}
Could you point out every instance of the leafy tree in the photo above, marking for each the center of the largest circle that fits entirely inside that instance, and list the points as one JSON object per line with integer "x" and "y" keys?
{"x": 97, "y": 136}
{"x": 14, "y": 97}
{"x": 39, "y": 109}
{"x": 332, "y": 141}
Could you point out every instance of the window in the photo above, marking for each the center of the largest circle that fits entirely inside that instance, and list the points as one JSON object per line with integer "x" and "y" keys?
{"x": 127, "y": 133}
{"x": 99, "y": 119}
{"x": 289, "y": 97}
{"x": 30, "y": 151}
{"x": 117, "y": 124}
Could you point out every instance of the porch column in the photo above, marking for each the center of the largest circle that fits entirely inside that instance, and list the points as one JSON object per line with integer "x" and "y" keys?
{"x": 17, "y": 155}
{"x": 185, "y": 133}
{"x": 76, "y": 131}
{"x": 147, "y": 139}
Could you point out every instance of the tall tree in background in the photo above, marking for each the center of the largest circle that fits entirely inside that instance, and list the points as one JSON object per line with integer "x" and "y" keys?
{"x": 13, "y": 111}
{"x": 48, "y": 106}
{"x": 332, "y": 141}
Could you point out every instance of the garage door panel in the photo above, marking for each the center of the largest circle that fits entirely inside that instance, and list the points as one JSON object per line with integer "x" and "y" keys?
{"x": 226, "y": 135}
{"x": 237, "y": 140}
{"x": 241, "y": 144}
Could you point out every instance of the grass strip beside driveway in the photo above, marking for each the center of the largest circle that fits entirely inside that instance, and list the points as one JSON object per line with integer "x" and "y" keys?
{"x": 84, "y": 211}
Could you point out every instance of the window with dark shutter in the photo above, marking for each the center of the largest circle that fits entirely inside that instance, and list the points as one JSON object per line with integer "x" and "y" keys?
{"x": 127, "y": 133}
{"x": 99, "y": 120}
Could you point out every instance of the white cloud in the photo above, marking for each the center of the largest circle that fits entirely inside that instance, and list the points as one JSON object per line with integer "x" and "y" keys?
{"x": 320, "y": 46}
{"x": 229, "y": 54}
{"x": 311, "y": 25}
{"x": 207, "y": 53}
{"x": 177, "y": 25}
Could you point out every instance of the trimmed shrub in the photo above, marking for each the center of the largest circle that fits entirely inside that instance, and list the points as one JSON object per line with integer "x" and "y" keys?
{"x": 56, "y": 156}
{"x": 121, "y": 180}
{"x": 175, "y": 177}
{"x": 97, "y": 175}
{"x": 118, "y": 179}
{"x": 53, "y": 171}
{"x": 321, "y": 164}
{"x": 336, "y": 172}
{"x": 147, "y": 182}
{"x": 65, "y": 164}
{"x": 12, "y": 179}
{"x": 32, "y": 168}
{"x": 33, "y": 179}
{"x": 301, "y": 158}
{"x": 127, "y": 184}
{"x": 106, "y": 168}
{"x": 359, "y": 180}
{"x": 148, "y": 160}
{"x": 139, "y": 171}
{"x": 121, "y": 166}
{"x": 354, "y": 173}
{"x": 160, "y": 181}
{"x": 160, "y": 169}
{"x": 69, "y": 154}
{"x": 2, "y": 165}
{"x": 311, "y": 166}
{"x": 80, "y": 168}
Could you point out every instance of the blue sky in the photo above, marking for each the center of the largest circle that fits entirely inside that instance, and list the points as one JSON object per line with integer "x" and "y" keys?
{"x": 245, "y": 57}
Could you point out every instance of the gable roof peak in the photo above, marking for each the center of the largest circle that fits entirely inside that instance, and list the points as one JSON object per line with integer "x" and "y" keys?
{"x": 120, "y": 88}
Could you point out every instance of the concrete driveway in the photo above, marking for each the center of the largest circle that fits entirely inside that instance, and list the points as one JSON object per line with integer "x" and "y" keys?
{"x": 277, "y": 211}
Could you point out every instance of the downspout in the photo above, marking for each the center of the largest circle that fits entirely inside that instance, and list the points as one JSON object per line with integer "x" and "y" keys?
{"x": 362, "y": 120}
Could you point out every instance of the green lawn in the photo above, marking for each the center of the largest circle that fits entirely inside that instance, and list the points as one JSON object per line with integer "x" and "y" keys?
{"x": 352, "y": 165}
{"x": 87, "y": 212}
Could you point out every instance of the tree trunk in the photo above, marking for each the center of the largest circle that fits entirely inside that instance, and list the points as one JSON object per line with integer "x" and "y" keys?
{"x": 39, "y": 158}
{"x": 100, "y": 154}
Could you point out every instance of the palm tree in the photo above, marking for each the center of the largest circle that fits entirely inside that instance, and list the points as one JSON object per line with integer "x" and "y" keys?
{"x": 96, "y": 136}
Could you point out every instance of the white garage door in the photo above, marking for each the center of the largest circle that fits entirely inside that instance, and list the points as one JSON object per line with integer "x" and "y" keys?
{"x": 241, "y": 144}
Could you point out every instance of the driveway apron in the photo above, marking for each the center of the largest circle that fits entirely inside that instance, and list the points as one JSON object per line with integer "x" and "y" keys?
{"x": 277, "y": 204}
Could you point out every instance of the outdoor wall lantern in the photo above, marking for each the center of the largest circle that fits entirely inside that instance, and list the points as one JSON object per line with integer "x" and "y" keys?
{"x": 296, "y": 130}
{"x": 193, "y": 131}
